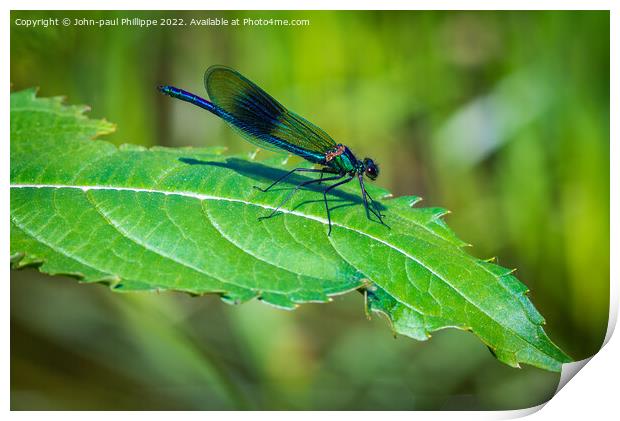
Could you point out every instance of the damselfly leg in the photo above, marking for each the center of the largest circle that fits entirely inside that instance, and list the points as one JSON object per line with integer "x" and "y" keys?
{"x": 374, "y": 203}
{"x": 329, "y": 219}
{"x": 313, "y": 170}
{"x": 365, "y": 196}
{"x": 292, "y": 192}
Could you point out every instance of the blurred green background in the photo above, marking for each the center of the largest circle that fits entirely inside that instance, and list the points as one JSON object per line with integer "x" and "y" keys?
{"x": 501, "y": 117}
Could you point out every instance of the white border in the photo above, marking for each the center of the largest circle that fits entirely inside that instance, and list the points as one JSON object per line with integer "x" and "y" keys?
{"x": 593, "y": 392}
{"x": 314, "y": 5}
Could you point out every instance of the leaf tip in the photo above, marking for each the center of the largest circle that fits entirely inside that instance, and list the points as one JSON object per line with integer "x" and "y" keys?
{"x": 439, "y": 213}
{"x": 107, "y": 128}
{"x": 415, "y": 200}
{"x": 252, "y": 155}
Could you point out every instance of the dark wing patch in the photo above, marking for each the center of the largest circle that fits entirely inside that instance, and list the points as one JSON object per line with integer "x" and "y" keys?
{"x": 261, "y": 119}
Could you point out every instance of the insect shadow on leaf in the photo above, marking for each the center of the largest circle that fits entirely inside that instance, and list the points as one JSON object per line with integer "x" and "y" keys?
{"x": 264, "y": 174}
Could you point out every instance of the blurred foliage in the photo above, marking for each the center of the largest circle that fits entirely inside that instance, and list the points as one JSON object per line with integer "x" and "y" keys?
{"x": 508, "y": 108}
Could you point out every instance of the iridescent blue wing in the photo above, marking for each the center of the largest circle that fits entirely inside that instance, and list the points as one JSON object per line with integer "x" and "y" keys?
{"x": 261, "y": 119}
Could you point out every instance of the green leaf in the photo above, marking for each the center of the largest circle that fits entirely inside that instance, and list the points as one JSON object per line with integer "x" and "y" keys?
{"x": 186, "y": 220}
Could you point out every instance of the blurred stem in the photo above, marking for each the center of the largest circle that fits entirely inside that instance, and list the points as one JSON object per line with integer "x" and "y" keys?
{"x": 171, "y": 349}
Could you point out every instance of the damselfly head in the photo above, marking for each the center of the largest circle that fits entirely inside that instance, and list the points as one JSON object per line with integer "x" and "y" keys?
{"x": 371, "y": 169}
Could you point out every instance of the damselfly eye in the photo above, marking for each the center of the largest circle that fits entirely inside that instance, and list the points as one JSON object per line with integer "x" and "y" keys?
{"x": 371, "y": 169}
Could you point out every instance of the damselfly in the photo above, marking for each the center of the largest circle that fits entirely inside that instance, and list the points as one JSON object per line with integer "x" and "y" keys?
{"x": 265, "y": 122}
